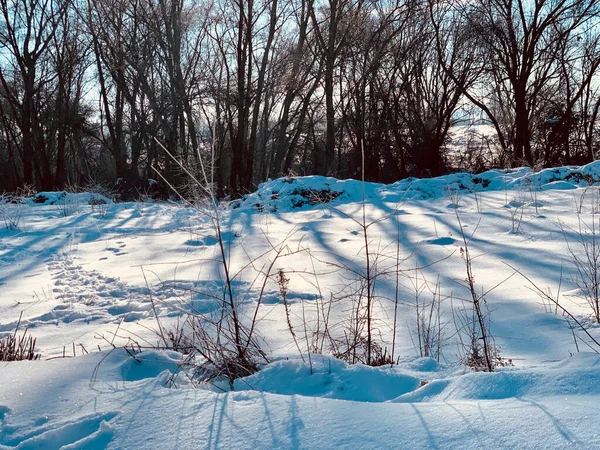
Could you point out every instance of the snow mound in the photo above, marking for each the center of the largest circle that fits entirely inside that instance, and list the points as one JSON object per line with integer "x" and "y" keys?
{"x": 561, "y": 178}
{"x": 423, "y": 380}
{"x": 577, "y": 375}
{"x": 330, "y": 378}
{"x": 287, "y": 194}
{"x": 62, "y": 197}
{"x": 149, "y": 364}
{"x": 129, "y": 366}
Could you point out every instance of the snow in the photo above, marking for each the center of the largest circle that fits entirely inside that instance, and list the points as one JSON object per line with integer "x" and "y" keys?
{"x": 89, "y": 280}
{"x": 287, "y": 194}
{"x": 330, "y": 378}
{"x": 119, "y": 412}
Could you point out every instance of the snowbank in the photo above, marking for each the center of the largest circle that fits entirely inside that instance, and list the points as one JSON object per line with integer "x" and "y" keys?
{"x": 330, "y": 378}
{"x": 63, "y": 197}
{"x": 113, "y": 401}
{"x": 286, "y": 194}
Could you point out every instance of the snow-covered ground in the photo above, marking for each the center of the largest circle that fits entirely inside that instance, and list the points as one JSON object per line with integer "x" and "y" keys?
{"x": 90, "y": 278}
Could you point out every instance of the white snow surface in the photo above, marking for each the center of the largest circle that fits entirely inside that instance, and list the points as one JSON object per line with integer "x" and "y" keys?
{"x": 88, "y": 280}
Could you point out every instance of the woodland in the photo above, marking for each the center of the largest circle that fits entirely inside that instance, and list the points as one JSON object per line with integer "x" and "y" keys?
{"x": 124, "y": 91}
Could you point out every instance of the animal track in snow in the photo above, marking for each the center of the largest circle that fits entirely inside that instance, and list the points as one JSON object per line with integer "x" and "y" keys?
{"x": 87, "y": 296}
{"x": 93, "y": 431}
{"x": 118, "y": 250}
{"x": 75, "y": 284}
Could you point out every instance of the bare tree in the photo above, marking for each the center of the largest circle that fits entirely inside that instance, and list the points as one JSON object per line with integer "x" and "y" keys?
{"x": 332, "y": 25}
{"x": 27, "y": 30}
{"x": 301, "y": 69}
{"x": 519, "y": 46}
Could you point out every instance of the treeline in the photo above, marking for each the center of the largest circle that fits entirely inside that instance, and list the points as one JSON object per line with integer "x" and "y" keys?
{"x": 254, "y": 89}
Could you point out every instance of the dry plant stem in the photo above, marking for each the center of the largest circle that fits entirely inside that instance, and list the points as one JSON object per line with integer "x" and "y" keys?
{"x": 430, "y": 323}
{"x": 369, "y": 282}
{"x": 477, "y": 196}
{"x": 306, "y": 337}
{"x": 574, "y": 336}
{"x": 428, "y": 318}
{"x": 321, "y": 314}
{"x": 326, "y": 321}
{"x": 439, "y": 325}
{"x": 587, "y": 261}
{"x": 545, "y": 295}
{"x": 516, "y": 214}
{"x": 585, "y": 254}
{"x": 160, "y": 328}
{"x": 454, "y": 195}
{"x": 283, "y": 282}
{"x": 396, "y": 292}
{"x": 224, "y": 260}
{"x": 18, "y": 348}
{"x": 266, "y": 275}
{"x": 359, "y": 331}
{"x": 475, "y": 298}
{"x": 319, "y": 310}
{"x": 18, "y": 323}
{"x": 417, "y": 305}
{"x": 531, "y": 185}
{"x": 361, "y": 320}
{"x": 368, "y": 262}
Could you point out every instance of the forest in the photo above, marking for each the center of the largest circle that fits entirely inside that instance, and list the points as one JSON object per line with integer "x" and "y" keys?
{"x": 126, "y": 91}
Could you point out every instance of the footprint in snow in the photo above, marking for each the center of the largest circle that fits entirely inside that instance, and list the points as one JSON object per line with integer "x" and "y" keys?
{"x": 116, "y": 251}
{"x": 93, "y": 431}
